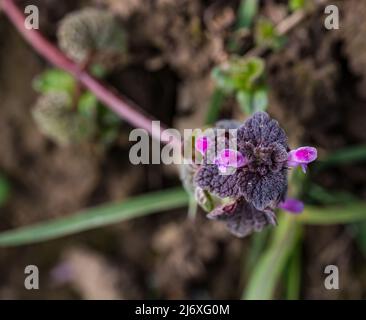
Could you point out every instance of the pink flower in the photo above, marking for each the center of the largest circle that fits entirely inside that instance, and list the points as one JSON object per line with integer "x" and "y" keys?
{"x": 229, "y": 158}
{"x": 292, "y": 205}
{"x": 301, "y": 157}
{"x": 202, "y": 144}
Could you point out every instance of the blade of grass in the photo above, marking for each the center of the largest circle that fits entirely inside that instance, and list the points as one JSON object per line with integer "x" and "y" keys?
{"x": 214, "y": 107}
{"x": 257, "y": 246}
{"x": 293, "y": 274}
{"x": 264, "y": 277}
{"x": 246, "y": 13}
{"x": 4, "y": 190}
{"x": 353, "y": 212}
{"x": 326, "y": 197}
{"x": 358, "y": 230}
{"x": 344, "y": 156}
{"x": 96, "y": 217}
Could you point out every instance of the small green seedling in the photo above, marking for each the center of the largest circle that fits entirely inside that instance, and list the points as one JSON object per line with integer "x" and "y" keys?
{"x": 243, "y": 78}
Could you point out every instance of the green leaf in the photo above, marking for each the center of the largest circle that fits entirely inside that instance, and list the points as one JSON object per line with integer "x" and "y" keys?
{"x": 249, "y": 69}
{"x": 260, "y": 99}
{"x": 246, "y": 13}
{"x": 4, "y": 190}
{"x": 109, "y": 118}
{"x": 214, "y": 107}
{"x": 98, "y": 71}
{"x": 296, "y": 5}
{"x": 251, "y": 102}
{"x": 96, "y": 217}
{"x": 109, "y": 124}
{"x": 265, "y": 275}
{"x": 238, "y": 74}
{"x": 353, "y": 212}
{"x": 265, "y": 35}
{"x": 223, "y": 81}
{"x": 244, "y": 99}
{"x": 54, "y": 80}
{"x": 87, "y": 104}
{"x": 108, "y": 136}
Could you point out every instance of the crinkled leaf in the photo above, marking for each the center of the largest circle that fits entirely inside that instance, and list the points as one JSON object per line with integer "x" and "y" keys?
{"x": 242, "y": 218}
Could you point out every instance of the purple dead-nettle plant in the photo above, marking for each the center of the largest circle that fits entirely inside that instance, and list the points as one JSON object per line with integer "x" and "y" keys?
{"x": 248, "y": 183}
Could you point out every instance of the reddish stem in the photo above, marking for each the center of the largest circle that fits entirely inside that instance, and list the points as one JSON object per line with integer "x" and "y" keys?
{"x": 125, "y": 108}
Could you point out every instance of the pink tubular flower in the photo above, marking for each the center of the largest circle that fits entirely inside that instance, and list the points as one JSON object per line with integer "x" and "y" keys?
{"x": 292, "y": 205}
{"x": 301, "y": 157}
{"x": 202, "y": 144}
{"x": 229, "y": 158}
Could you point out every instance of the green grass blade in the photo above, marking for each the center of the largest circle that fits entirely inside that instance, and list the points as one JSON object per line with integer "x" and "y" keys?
{"x": 325, "y": 197}
{"x": 344, "y": 156}
{"x": 4, "y": 190}
{"x": 350, "y": 213}
{"x": 246, "y": 13}
{"x": 214, "y": 107}
{"x": 293, "y": 275}
{"x": 358, "y": 230}
{"x": 264, "y": 278}
{"x": 258, "y": 244}
{"x": 96, "y": 217}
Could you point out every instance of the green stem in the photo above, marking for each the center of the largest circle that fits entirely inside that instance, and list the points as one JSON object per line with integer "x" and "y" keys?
{"x": 216, "y": 102}
{"x": 96, "y": 217}
{"x": 353, "y": 212}
{"x": 263, "y": 280}
{"x": 293, "y": 274}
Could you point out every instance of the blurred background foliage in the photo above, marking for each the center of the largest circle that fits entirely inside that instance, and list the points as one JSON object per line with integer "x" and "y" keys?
{"x": 190, "y": 65}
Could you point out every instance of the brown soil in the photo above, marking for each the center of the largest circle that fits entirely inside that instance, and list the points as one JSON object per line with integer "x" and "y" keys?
{"x": 317, "y": 93}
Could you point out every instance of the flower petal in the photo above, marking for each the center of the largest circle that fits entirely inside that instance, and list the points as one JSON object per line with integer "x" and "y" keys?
{"x": 230, "y": 158}
{"x": 301, "y": 155}
{"x": 242, "y": 218}
{"x": 261, "y": 129}
{"x": 202, "y": 144}
{"x": 264, "y": 191}
{"x": 292, "y": 205}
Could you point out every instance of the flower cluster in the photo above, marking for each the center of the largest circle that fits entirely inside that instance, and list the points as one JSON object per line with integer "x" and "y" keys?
{"x": 251, "y": 180}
